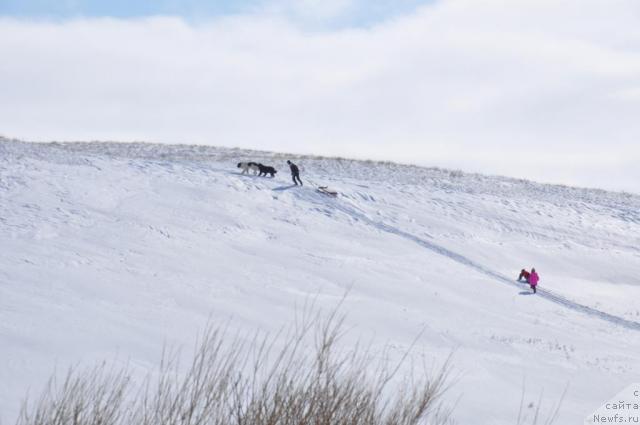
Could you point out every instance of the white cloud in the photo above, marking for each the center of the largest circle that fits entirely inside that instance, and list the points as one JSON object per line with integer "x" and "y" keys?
{"x": 533, "y": 88}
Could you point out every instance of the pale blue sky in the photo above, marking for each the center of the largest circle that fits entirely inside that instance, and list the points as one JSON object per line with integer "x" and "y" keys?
{"x": 347, "y": 13}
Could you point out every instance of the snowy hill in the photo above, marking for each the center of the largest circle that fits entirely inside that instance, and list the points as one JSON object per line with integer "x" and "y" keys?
{"x": 111, "y": 250}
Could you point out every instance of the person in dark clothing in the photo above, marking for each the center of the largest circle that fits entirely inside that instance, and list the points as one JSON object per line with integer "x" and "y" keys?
{"x": 524, "y": 274}
{"x": 295, "y": 173}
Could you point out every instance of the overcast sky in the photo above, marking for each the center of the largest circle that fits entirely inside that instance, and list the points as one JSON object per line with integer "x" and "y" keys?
{"x": 540, "y": 89}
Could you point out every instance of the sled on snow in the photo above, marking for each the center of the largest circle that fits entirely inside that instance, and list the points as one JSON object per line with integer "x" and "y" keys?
{"x": 326, "y": 191}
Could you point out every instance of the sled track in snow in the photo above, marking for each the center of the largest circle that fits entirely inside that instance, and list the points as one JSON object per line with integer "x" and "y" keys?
{"x": 438, "y": 249}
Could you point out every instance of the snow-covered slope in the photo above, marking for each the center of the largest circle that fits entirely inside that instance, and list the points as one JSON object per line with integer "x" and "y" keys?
{"x": 111, "y": 250}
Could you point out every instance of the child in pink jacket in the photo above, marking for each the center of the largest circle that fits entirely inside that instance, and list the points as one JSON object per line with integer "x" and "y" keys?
{"x": 533, "y": 280}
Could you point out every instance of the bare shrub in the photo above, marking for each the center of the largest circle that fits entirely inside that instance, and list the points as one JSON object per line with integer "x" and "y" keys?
{"x": 310, "y": 381}
{"x": 533, "y": 415}
{"x": 96, "y": 396}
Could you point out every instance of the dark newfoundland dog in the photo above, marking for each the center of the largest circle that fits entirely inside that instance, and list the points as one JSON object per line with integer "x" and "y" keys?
{"x": 265, "y": 169}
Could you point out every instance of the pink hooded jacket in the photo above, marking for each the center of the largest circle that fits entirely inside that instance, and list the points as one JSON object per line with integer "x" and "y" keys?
{"x": 534, "y": 278}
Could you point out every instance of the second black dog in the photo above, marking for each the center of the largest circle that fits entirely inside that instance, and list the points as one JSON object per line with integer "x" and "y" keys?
{"x": 265, "y": 169}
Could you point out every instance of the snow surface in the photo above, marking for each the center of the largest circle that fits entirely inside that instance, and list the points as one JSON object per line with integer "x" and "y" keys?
{"x": 111, "y": 250}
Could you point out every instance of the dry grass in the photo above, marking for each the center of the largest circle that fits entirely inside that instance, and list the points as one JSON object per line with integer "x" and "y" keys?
{"x": 231, "y": 381}
{"x": 532, "y": 414}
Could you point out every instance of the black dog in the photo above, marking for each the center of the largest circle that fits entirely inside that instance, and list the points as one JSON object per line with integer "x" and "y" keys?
{"x": 265, "y": 169}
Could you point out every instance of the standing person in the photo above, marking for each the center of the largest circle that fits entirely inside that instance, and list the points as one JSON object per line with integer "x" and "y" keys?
{"x": 533, "y": 279}
{"x": 295, "y": 173}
